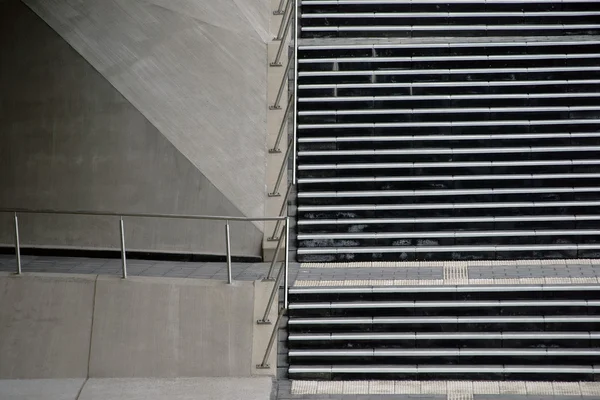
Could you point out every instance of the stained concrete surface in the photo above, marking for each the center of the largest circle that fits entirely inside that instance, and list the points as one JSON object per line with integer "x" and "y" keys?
{"x": 196, "y": 69}
{"x": 40, "y": 389}
{"x": 71, "y": 141}
{"x": 45, "y": 326}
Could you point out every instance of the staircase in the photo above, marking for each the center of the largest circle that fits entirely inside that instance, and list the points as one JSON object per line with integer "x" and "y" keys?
{"x": 520, "y": 332}
{"x": 463, "y": 129}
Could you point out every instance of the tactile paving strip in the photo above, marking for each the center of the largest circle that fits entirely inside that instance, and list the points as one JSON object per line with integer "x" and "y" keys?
{"x": 456, "y": 390}
{"x": 435, "y": 282}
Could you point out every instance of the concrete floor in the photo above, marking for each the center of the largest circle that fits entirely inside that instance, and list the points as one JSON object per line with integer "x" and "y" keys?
{"x": 137, "y": 389}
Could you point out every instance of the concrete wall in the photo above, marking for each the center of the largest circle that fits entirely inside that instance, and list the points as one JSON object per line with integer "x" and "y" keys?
{"x": 56, "y": 327}
{"x": 69, "y": 140}
{"x": 196, "y": 69}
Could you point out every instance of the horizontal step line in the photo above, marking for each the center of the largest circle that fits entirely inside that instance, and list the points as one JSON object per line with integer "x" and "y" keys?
{"x": 447, "y": 71}
{"x": 448, "y": 220}
{"x": 433, "y": 138}
{"x": 443, "y": 320}
{"x": 447, "y": 206}
{"x": 376, "y": 336}
{"x": 388, "y": 28}
{"x": 450, "y": 84}
{"x": 423, "y": 178}
{"x": 447, "y": 192}
{"x": 430, "y": 369}
{"x": 442, "y": 304}
{"x": 450, "y": 110}
{"x": 446, "y": 249}
{"x": 520, "y": 96}
{"x": 399, "y": 2}
{"x": 446, "y": 234}
{"x": 447, "y": 58}
{"x": 449, "y": 45}
{"x": 449, "y": 14}
{"x": 375, "y": 125}
{"x": 423, "y": 151}
{"x": 470, "y": 352}
{"x": 451, "y": 164}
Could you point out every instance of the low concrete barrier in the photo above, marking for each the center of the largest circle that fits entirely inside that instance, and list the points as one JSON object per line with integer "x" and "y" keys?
{"x": 56, "y": 326}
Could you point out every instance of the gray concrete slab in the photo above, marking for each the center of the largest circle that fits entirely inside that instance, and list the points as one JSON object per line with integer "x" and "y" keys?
{"x": 45, "y": 326}
{"x": 40, "y": 389}
{"x": 144, "y": 327}
{"x": 178, "y": 389}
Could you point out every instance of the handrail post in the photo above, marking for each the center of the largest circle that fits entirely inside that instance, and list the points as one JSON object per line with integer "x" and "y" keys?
{"x": 276, "y": 105}
{"x": 123, "y": 256}
{"x": 283, "y": 207}
{"x": 284, "y": 121}
{"x": 265, "y": 318}
{"x": 275, "y": 192}
{"x": 288, "y": 23}
{"x": 263, "y": 364}
{"x": 18, "y": 245}
{"x": 283, "y": 20}
{"x": 228, "y": 250}
{"x": 286, "y": 276}
{"x": 279, "y": 10}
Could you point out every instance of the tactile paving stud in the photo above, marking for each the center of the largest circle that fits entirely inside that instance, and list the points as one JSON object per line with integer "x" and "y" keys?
{"x": 589, "y": 388}
{"x": 433, "y": 387}
{"x": 356, "y": 387}
{"x": 514, "y": 387}
{"x": 304, "y": 387}
{"x": 407, "y": 387}
{"x": 566, "y": 389}
{"x": 539, "y": 388}
{"x": 381, "y": 387}
{"x": 460, "y": 387}
{"x": 486, "y": 387}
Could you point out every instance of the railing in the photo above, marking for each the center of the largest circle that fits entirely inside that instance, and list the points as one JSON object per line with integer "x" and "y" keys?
{"x": 283, "y": 270}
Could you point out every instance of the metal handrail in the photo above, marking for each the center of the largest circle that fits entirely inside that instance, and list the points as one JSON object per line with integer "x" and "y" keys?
{"x": 280, "y": 8}
{"x": 286, "y": 29}
{"x": 282, "y": 25}
{"x": 284, "y": 121}
{"x": 275, "y": 192}
{"x": 284, "y": 78}
{"x": 295, "y": 92}
{"x": 281, "y": 213}
{"x": 121, "y": 216}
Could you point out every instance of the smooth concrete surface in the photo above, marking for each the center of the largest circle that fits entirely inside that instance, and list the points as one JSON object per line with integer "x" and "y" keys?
{"x": 40, "y": 389}
{"x": 196, "y": 69}
{"x": 144, "y": 327}
{"x": 137, "y": 389}
{"x": 71, "y": 326}
{"x": 45, "y": 326}
{"x": 178, "y": 389}
{"x": 71, "y": 141}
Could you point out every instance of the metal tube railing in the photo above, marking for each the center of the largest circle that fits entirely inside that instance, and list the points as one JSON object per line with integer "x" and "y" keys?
{"x": 286, "y": 263}
{"x": 288, "y": 23}
{"x": 284, "y": 121}
{"x": 264, "y": 364}
{"x": 283, "y": 208}
{"x": 228, "y": 251}
{"x": 17, "y": 245}
{"x": 121, "y": 216}
{"x": 284, "y": 164}
{"x": 284, "y": 78}
{"x": 265, "y": 318}
{"x": 283, "y": 19}
{"x": 279, "y": 10}
{"x": 123, "y": 256}
{"x": 277, "y": 248}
